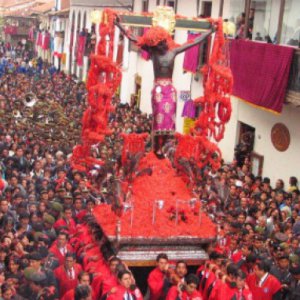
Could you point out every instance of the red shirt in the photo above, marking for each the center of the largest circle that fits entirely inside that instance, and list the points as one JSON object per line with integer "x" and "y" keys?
{"x": 58, "y": 254}
{"x": 121, "y": 291}
{"x": 71, "y": 225}
{"x": 173, "y": 294}
{"x": 64, "y": 279}
{"x": 268, "y": 288}
{"x": 222, "y": 291}
{"x": 156, "y": 282}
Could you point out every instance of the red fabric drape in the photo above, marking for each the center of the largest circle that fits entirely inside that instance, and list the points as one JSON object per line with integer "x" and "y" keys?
{"x": 260, "y": 72}
{"x": 191, "y": 57}
{"x": 80, "y": 50}
{"x": 46, "y": 41}
{"x": 39, "y": 41}
{"x": 11, "y": 29}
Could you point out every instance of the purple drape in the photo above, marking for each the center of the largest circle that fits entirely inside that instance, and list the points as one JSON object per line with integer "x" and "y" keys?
{"x": 189, "y": 109}
{"x": 191, "y": 57}
{"x": 260, "y": 72}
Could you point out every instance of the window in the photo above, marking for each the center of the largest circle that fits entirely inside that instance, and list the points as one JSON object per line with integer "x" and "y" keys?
{"x": 291, "y": 23}
{"x": 206, "y": 9}
{"x": 263, "y": 20}
{"x": 172, "y": 3}
{"x": 145, "y": 5}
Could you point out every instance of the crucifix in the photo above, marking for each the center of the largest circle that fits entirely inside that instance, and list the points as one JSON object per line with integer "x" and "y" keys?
{"x": 158, "y": 42}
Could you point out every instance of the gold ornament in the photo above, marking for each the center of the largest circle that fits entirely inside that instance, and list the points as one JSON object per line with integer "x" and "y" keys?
{"x": 164, "y": 16}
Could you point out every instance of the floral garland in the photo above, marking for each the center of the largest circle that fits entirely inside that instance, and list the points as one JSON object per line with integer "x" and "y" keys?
{"x": 133, "y": 143}
{"x": 154, "y": 36}
{"x": 104, "y": 78}
{"x": 215, "y": 108}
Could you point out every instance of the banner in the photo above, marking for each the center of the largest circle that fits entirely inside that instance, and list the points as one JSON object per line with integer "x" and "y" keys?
{"x": 260, "y": 72}
{"x": 191, "y": 57}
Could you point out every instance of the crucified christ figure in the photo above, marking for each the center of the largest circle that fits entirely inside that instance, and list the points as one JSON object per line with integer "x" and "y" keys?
{"x": 163, "y": 50}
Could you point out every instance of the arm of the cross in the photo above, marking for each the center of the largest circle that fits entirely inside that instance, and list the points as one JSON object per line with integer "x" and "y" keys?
{"x": 128, "y": 34}
{"x": 136, "y": 20}
{"x": 196, "y": 41}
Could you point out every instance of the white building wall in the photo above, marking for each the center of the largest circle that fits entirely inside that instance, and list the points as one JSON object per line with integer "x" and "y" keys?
{"x": 182, "y": 81}
{"x": 276, "y": 164}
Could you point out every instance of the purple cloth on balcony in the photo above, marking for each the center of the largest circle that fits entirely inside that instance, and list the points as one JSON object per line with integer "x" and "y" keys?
{"x": 260, "y": 72}
{"x": 163, "y": 107}
{"x": 189, "y": 109}
{"x": 191, "y": 57}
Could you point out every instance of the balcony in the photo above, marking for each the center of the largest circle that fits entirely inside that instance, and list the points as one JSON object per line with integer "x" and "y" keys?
{"x": 293, "y": 93}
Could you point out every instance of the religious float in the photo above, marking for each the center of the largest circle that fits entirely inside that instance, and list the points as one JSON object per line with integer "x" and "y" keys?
{"x": 154, "y": 206}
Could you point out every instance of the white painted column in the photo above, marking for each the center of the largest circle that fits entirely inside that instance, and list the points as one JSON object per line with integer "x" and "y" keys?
{"x": 74, "y": 41}
{"x": 124, "y": 83}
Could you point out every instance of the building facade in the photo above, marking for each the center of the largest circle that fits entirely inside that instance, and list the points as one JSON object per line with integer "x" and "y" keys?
{"x": 263, "y": 20}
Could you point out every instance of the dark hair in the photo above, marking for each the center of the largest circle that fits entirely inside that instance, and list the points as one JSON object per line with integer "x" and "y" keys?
{"x": 114, "y": 258}
{"x": 293, "y": 181}
{"x": 64, "y": 233}
{"x": 122, "y": 273}
{"x": 5, "y": 287}
{"x": 70, "y": 254}
{"x": 232, "y": 269}
{"x": 181, "y": 262}
{"x": 241, "y": 274}
{"x": 161, "y": 256}
{"x": 83, "y": 273}
{"x": 192, "y": 278}
{"x": 263, "y": 266}
{"x": 82, "y": 292}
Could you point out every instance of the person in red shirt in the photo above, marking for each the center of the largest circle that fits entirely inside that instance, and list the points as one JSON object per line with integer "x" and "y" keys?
{"x": 126, "y": 289}
{"x": 225, "y": 288}
{"x": 185, "y": 291}
{"x": 243, "y": 291}
{"x": 158, "y": 282}
{"x": 66, "y": 221}
{"x": 61, "y": 247}
{"x": 83, "y": 279}
{"x": 103, "y": 283}
{"x": 262, "y": 284}
{"x": 207, "y": 275}
{"x": 67, "y": 274}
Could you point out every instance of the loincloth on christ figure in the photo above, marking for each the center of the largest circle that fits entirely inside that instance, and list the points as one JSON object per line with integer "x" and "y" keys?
{"x": 163, "y": 107}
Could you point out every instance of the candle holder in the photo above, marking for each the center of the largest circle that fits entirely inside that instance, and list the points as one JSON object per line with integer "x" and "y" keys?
{"x": 157, "y": 204}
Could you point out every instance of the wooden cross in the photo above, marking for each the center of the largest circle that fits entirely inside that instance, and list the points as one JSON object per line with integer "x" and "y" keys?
{"x": 165, "y": 13}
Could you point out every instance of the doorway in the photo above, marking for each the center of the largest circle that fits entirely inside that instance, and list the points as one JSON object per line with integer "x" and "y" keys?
{"x": 245, "y": 142}
{"x": 206, "y": 9}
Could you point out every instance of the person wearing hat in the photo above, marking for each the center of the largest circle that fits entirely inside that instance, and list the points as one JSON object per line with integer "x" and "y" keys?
{"x": 281, "y": 271}
{"x": 48, "y": 226}
{"x": 56, "y": 209}
{"x": 67, "y": 274}
{"x": 36, "y": 263}
{"x": 68, "y": 199}
{"x": 294, "y": 288}
{"x": 38, "y": 283}
{"x": 61, "y": 247}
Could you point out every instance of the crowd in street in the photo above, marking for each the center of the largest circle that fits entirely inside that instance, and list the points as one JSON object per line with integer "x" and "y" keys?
{"x": 45, "y": 206}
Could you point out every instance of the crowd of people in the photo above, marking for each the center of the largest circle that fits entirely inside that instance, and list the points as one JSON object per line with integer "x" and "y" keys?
{"x": 46, "y": 248}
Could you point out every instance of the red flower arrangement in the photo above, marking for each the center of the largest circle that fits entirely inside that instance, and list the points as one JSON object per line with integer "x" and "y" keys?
{"x": 154, "y": 36}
